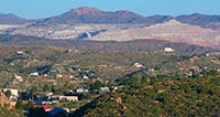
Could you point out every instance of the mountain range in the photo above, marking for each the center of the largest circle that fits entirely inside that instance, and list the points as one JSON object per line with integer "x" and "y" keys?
{"x": 87, "y": 23}
{"x": 96, "y": 16}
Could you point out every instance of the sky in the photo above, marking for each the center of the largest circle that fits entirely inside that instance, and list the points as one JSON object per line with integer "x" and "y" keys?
{"x": 35, "y": 9}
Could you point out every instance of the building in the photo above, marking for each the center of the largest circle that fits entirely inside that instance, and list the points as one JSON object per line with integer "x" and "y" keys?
{"x": 85, "y": 77}
{"x": 169, "y": 50}
{"x": 82, "y": 90}
{"x": 59, "y": 76}
{"x": 34, "y": 74}
{"x": 104, "y": 89}
{"x": 138, "y": 65}
{"x": 19, "y": 78}
{"x": 118, "y": 87}
{"x": 14, "y": 92}
{"x": 20, "y": 52}
{"x": 48, "y": 94}
{"x": 66, "y": 98}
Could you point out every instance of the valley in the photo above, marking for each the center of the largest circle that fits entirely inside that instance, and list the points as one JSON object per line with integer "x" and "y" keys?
{"x": 89, "y": 62}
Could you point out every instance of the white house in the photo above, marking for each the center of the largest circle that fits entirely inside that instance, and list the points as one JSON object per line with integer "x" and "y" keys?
{"x": 104, "y": 89}
{"x": 34, "y": 74}
{"x": 20, "y": 52}
{"x": 169, "y": 50}
{"x": 207, "y": 54}
{"x": 85, "y": 77}
{"x": 14, "y": 92}
{"x": 118, "y": 87}
{"x": 59, "y": 75}
{"x": 138, "y": 65}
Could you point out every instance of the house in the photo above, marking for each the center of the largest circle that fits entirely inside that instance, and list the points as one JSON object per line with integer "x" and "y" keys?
{"x": 207, "y": 54}
{"x": 118, "y": 87}
{"x": 46, "y": 102}
{"x": 138, "y": 65}
{"x": 47, "y": 108}
{"x": 19, "y": 78}
{"x": 12, "y": 64}
{"x": 169, "y": 50}
{"x": 20, "y": 52}
{"x": 42, "y": 101}
{"x": 34, "y": 74}
{"x": 14, "y": 92}
{"x": 48, "y": 94}
{"x": 59, "y": 76}
{"x": 71, "y": 76}
{"x": 82, "y": 90}
{"x": 85, "y": 77}
{"x": 189, "y": 74}
{"x": 66, "y": 98}
{"x": 104, "y": 89}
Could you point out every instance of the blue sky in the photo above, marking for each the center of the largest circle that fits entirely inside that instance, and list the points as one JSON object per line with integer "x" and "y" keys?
{"x": 45, "y": 8}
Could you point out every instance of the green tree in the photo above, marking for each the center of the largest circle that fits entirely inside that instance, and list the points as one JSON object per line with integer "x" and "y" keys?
{"x": 8, "y": 93}
{"x": 28, "y": 105}
{"x": 19, "y": 105}
{"x": 34, "y": 90}
{"x": 5, "y": 112}
{"x": 46, "y": 88}
{"x": 96, "y": 85}
{"x": 53, "y": 89}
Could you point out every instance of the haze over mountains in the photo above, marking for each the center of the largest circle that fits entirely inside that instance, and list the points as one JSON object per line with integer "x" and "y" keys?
{"x": 93, "y": 24}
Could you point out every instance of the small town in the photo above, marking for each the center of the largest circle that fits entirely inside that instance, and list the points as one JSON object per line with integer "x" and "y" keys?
{"x": 117, "y": 58}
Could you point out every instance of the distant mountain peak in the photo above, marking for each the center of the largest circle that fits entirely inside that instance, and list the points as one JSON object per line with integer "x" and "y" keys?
{"x": 11, "y": 19}
{"x": 84, "y": 10}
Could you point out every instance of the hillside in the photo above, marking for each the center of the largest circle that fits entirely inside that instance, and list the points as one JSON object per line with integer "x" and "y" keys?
{"x": 75, "y": 60}
{"x": 172, "y": 30}
{"x": 206, "y": 21}
{"x": 11, "y": 19}
{"x": 109, "y": 46}
{"x": 159, "y": 97}
{"x": 4, "y": 112}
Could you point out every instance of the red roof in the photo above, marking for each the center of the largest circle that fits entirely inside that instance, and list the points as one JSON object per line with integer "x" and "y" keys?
{"x": 47, "y": 108}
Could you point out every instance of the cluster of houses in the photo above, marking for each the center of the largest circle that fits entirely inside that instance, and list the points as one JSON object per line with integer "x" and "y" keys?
{"x": 49, "y": 98}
